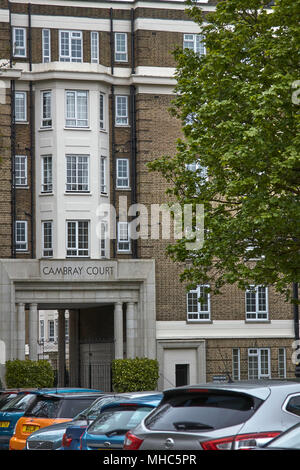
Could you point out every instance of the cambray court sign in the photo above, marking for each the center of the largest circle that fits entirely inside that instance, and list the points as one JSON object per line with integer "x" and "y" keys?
{"x": 87, "y": 270}
{"x": 188, "y": 221}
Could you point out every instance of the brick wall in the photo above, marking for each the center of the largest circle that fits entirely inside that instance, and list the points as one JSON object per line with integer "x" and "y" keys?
{"x": 5, "y": 177}
{"x": 219, "y": 355}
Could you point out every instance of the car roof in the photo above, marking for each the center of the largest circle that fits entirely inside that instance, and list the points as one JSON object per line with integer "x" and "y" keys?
{"x": 259, "y": 388}
{"x": 68, "y": 395}
{"x": 151, "y": 400}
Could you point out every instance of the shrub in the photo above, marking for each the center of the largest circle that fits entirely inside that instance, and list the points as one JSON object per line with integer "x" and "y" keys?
{"x": 26, "y": 374}
{"x": 134, "y": 375}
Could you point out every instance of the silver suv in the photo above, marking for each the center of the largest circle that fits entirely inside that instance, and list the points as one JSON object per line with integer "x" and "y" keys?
{"x": 227, "y": 416}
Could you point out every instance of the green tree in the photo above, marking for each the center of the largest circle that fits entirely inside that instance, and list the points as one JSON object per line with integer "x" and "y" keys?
{"x": 241, "y": 125}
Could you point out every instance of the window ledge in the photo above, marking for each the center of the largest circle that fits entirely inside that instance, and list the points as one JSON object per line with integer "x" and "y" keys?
{"x": 25, "y": 186}
{"x": 44, "y": 129}
{"x": 192, "y": 322}
{"x": 257, "y": 321}
{"x": 77, "y": 128}
{"x": 77, "y": 193}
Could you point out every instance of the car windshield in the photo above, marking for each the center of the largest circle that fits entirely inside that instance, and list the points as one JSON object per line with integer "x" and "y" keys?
{"x": 71, "y": 407}
{"x": 118, "y": 420}
{"x": 93, "y": 411}
{"x": 18, "y": 403}
{"x": 289, "y": 440}
{"x": 193, "y": 412}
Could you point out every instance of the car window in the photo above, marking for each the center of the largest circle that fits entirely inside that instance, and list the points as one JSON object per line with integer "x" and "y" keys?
{"x": 19, "y": 403}
{"x": 5, "y": 398}
{"x": 293, "y": 405}
{"x": 119, "y": 418}
{"x": 203, "y": 411}
{"x": 288, "y": 440}
{"x": 44, "y": 407}
{"x": 71, "y": 407}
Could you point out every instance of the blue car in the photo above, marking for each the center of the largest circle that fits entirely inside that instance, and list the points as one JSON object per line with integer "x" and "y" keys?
{"x": 75, "y": 429}
{"x": 115, "y": 420}
{"x": 15, "y": 408}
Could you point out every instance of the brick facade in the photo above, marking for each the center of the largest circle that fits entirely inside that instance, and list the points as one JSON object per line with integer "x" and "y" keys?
{"x": 156, "y": 134}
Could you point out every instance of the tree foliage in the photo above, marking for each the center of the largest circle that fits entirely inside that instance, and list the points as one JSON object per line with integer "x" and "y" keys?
{"x": 240, "y": 123}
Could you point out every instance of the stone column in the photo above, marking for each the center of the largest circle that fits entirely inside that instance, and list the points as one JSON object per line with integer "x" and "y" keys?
{"x": 21, "y": 331}
{"x": 61, "y": 348}
{"x": 73, "y": 348}
{"x": 118, "y": 330}
{"x": 130, "y": 330}
{"x": 33, "y": 332}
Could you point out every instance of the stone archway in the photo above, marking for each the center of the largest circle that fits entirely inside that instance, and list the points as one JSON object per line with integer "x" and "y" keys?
{"x": 75, "y": 284}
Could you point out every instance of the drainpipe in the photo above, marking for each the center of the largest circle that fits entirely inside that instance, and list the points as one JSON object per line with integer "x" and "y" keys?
{"x": 31, "y": 125}
{"x": 296, "y": 324}
{"x": 133, "y": 129}
{"x": 13, "y": 142}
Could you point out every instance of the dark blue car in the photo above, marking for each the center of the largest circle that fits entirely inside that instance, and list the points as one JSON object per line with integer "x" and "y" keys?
{"x": 115, "y": 420}
{"x": 15, "y": 408}
{"x": 75, "y": 429}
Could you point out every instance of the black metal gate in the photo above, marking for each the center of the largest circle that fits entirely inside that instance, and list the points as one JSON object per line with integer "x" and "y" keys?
{"x": 95, "y": 364}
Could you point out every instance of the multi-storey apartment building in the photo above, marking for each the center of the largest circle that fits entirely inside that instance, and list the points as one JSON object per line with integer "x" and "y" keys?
{"x": 85, "y": 89}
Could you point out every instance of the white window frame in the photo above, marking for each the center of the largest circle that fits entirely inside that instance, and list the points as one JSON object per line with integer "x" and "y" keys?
{"x": 257, "y": 353}
{"x": 46, "y": 174}
{"x": 47, "y": 252}
{"x": 51, "y": 329}
{"x": 77, "y": 251}
{"x": 124, "y": 241}
{"x": 193, "y": 42}
{"x": 46, "y": 121}
{"x": 102, "y": 113}
{"x": 103, "y": 175}
{"x": 122, "y": 182}
{"x": 121, "y": 118}
{"x": 236, "y": 364}
{"x": 121, "y": 54}
{"x": 282, "y": 363}
{"x": 23, "y": 118}
{"x": 202, "y": 314}
{"x": 46, "y": 45}
{"x": 23, "y": 163}
{"x": 94, "y": 47}
{"x": 25, "y": 239}
{"x": 76, "y": 186}
{"x": 258, "y": 315}
{"x": 77, "y": 121}
{"x": 22, "y": 49}
{"x": 103, "y": 238}
{"x": 69, "y": 57}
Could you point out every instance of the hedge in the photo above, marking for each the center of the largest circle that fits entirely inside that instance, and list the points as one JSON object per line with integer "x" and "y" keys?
{"x": 134, "y": 375}
{"x": 27, "y": 374}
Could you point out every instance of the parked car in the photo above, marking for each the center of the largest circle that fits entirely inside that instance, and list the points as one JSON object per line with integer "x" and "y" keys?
{"x": 287, "y": 440}
{"x": 75, "y": 429}
{"x": 10, "y": 413}
{"x": 51, "y": 437}
{"x": 50, "y": 407}
{"x": 224, "y": 416}
{"x": 116, "y": 418}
